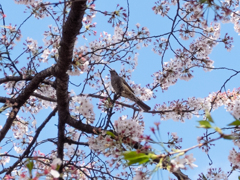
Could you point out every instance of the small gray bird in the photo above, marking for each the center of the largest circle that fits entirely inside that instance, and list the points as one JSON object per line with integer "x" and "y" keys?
{"x": 121, "y": 87}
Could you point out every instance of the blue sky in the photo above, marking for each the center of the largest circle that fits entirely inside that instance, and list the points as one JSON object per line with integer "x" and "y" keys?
{"x": 201, "y": 85}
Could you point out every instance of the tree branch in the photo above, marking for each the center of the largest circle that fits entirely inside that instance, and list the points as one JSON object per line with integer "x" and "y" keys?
{"x": 22, "y": 98}
{"x": 70, "y": 31}
{"x": 27, "y": 151}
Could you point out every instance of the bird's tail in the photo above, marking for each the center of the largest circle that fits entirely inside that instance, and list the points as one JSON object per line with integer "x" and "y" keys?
{"x": 139, "y": 102}
{"x": 143, "y": 105}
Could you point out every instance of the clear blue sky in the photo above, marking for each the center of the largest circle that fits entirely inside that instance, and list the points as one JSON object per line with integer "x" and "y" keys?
{"x": 201, "y": 85}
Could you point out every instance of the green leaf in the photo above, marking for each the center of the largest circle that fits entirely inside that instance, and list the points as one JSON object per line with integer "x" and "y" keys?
{"x": 138, "y": 161}
{"x": 29, "y": 165}
{"x": 58, "y": 167}
{"x": 202, "y": 1}
{"x": 208, "y": 116}
{"x": 229, "y": 137}
{"x": 205, "y": 124}
{"x": 238, "y": 177}
{"x": 219, "y": 130}
{"x": 110, "y": 134}
{"x": 137, "y": 158}
{"x": 234, "y": 123}
{"x": 128, "y": 154}
{"x": 133, "y": 154}
{"x": 152, "y": 156}
{"x": 209, "y": 2}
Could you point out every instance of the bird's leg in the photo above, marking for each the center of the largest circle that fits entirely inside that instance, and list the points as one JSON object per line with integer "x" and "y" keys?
{"x": 134, "y": 105}
{"x": 116, "y": 96}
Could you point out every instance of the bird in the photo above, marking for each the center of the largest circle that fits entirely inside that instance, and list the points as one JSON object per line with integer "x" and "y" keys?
{"x": 121, "y": 87}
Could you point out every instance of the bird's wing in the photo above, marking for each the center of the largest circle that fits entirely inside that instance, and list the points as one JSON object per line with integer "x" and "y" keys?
{"x": 127, "y": 85}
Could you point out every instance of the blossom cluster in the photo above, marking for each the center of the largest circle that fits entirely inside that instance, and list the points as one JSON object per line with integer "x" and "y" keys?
{"x": 10, "y": 34}
{"x": 104, "y": 144}
{"x": 192, "y": 18}
{"x": 163, "y": 7}
{"x": 39, "y": 8}
{"x": 26, "y": 2}
{"x": 100, "y": 51}
{"x": 50, "y": 172}
{"x": 78, "y": 173}
{"x": 117, "y": 16}
{"x": 4, "y": 159}
{"x": 20, "y": 129}
{"x": 79, "y": 69}
{"x": 174, "y": 141}
{"x": 234, "y": 158}
{"x": 214, "y": 174}
{"x": 236, "y": 135}
{"x": 51, "y": 38}
{"x": 114, "y": 145}
{"x": 80, "y": 64}
{"x": 196, "y": 56}
{"x": 84, "y": 107}
{"x": 141, "y": 174}
{"x": 127, "y": 130}
{"x": 185, "y": 109}
{"x": 70, "y": 149}
{"x": 87, "y": 20}
{"x": 178, "y": 162}
{"x": 22, "y": 132}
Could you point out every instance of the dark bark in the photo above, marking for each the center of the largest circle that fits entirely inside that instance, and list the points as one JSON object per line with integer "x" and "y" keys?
{"x": 69, "y": 33}
{"x": 27, "y": 151}
{"x": 22, "y": 98}
{"x": 81, "y": 126}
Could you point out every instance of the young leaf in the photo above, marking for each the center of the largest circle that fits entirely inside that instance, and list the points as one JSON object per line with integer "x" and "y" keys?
{"x": 208, "y": 116}
{"x": 138, "y": 161}
{"x": 152, "y": 156}
{"x": 136, "y": 158}
{"x": 110, "y": 133}
{"x": 234, "y": 123}
{"x": 205, "y": 124}
{"x": 133, "y": 154}
{"x": 219, "y": 130}
{"x": 202, "y": 1}
{"x": 29, "y": 165}
{"x": 229, "y": 137}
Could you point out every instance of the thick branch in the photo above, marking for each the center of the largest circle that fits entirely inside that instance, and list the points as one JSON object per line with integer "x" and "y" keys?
{"x": 81, "y": 126}
{"x": 27, "y": 151}
{"x": 93, "y": 130}
{"x": 44, "y": 97}
{"x": 22, "y": 98}
{"x": 70, "y": 31}
{"x": 19, "y": 78}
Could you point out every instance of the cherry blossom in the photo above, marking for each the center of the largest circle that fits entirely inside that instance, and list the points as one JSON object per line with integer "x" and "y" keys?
{"x": 59, "y": 80}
